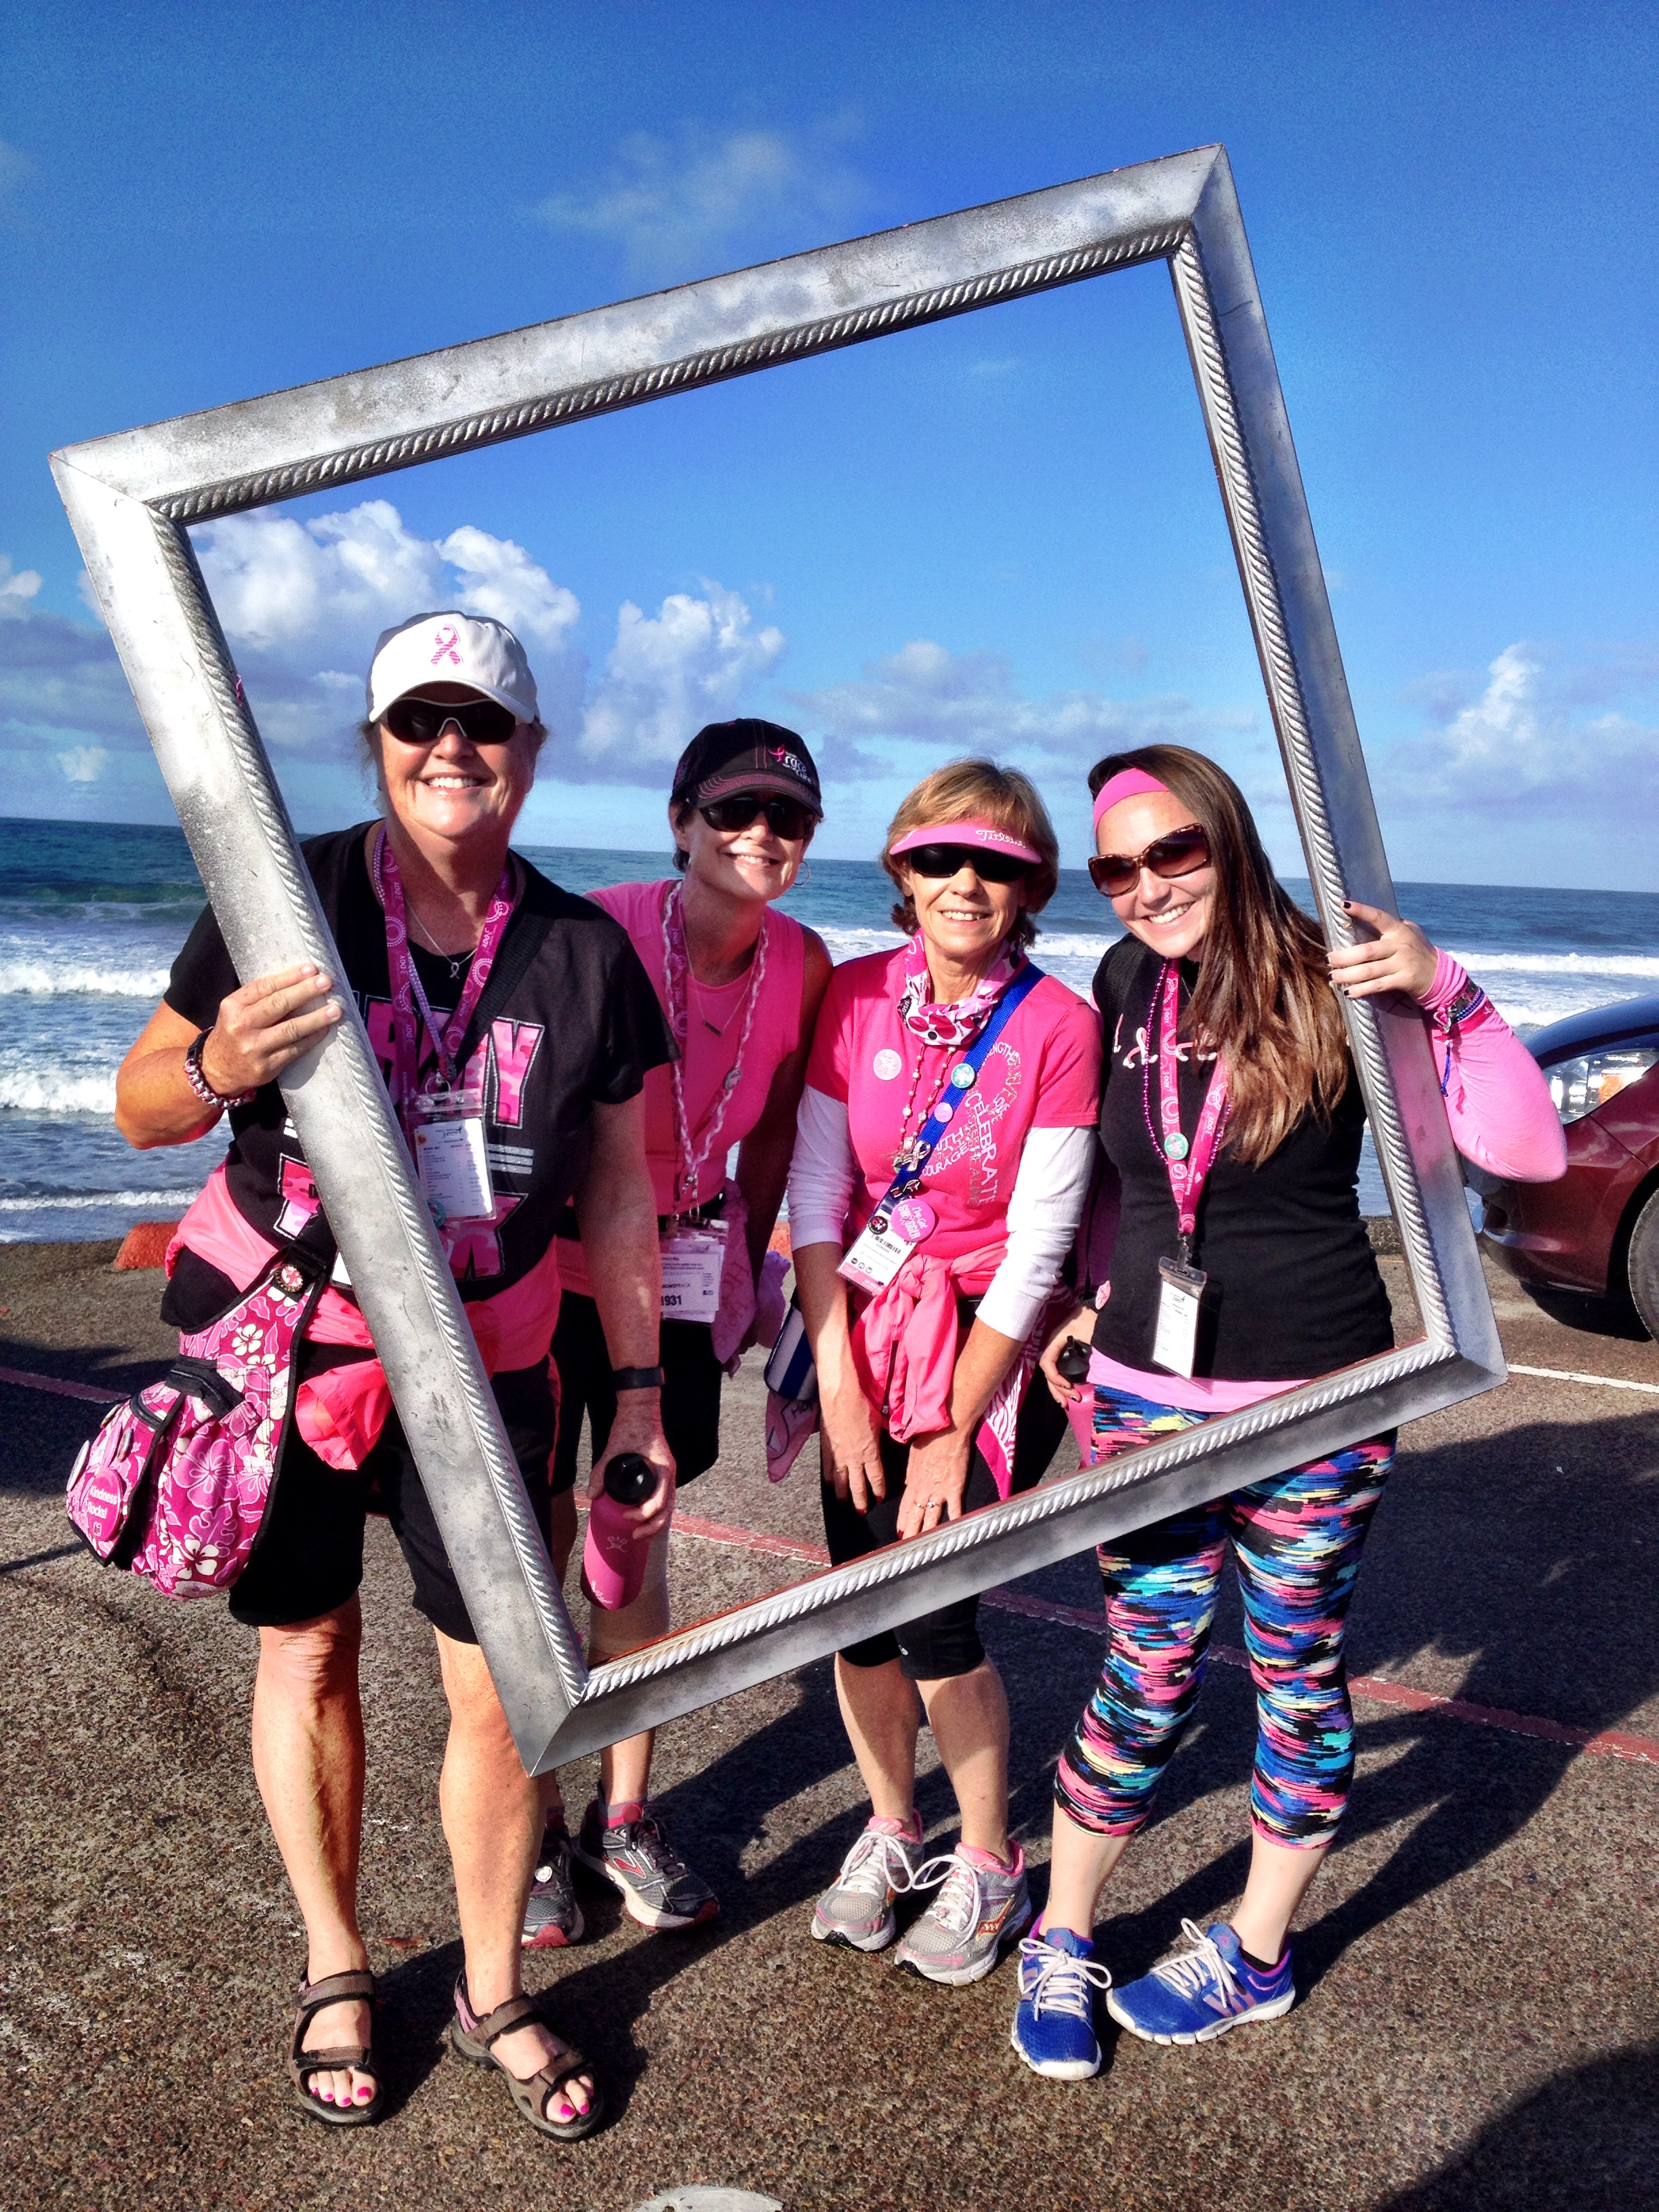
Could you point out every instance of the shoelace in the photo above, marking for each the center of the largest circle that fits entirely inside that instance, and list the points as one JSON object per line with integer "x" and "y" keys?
{"x": 644, "y": 1833}
{"x": 1203, "y": 1963}
{"x": 876, "y": 1863}
{"x": 1062, "y": 1982}
{"x": 957, "y": 1907}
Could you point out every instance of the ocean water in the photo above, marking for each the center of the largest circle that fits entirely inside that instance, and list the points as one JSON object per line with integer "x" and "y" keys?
{"x": 92, "y": 914}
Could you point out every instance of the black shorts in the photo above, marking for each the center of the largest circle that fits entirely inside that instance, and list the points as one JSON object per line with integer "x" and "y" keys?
{"x": 937, "y": 1645}
{"x": 690, "y": 1395}
{"x": 308, "y": 1555}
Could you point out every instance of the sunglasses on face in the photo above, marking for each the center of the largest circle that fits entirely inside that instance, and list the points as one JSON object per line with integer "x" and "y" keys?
{"x": 1178, "y": 853}
{"x": 936, "y": 860}
{"x": 421, "y": 721}
{"x": 785, "y": 818}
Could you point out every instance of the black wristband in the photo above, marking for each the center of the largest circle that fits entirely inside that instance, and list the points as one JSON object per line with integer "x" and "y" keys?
{"x": 198, "y": 1080}
{"x": 636, "y": 1378}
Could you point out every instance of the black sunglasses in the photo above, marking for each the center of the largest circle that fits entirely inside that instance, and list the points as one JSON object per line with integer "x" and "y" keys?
{"x": 421, "y": 721}
{"x": 785, "y": 818}
{"x": 1179, "y": 854}
{"x": 935, "y": 860}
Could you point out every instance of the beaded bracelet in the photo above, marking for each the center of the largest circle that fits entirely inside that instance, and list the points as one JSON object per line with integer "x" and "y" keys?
{"x": 198, "y": 1082}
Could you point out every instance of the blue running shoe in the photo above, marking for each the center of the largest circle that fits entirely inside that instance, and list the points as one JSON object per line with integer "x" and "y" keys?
{"x": 1203, "y": 1993}
{"x": 1054, "y": 2029}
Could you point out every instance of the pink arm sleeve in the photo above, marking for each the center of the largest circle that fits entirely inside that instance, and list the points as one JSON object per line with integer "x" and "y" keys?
{"x": 1502, "y": 1115}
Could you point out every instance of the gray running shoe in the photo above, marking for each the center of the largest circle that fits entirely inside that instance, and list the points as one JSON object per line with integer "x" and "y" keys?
{"x": 552, "y": 1917}
{"x": 659, "y": 1889}
{"x": 858, "y": 1906}
{"x": 977, "y": 1910}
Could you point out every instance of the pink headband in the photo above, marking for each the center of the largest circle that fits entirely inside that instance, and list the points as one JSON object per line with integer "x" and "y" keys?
{"x": 973, "y": 832}
{"x": 1128, "y": 783}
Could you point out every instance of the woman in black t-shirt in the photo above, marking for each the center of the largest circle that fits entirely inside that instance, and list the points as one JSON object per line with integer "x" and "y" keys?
{"x": 1232, "y": 1114}
{"x": 525, "y": 1012}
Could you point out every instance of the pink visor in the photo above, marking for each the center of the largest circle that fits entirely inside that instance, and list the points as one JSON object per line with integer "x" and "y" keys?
{"x": 1128, "y": 783}
{"x": 973, "y": 832}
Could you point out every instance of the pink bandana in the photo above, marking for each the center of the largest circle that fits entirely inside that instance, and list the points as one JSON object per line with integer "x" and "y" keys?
{"x": 957, "y": 1025}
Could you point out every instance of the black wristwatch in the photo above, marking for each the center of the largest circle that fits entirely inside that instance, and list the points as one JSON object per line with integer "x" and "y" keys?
{"x": 636, "y": 1378}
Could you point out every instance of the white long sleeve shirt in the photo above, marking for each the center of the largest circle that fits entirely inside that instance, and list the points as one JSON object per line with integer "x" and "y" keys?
{"x": 1044, "y": 1208}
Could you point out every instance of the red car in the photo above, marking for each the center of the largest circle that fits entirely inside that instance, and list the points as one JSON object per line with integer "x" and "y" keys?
{"x": 1597, "y": 1229}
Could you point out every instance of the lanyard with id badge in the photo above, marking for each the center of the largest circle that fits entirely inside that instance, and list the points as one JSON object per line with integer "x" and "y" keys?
{"x": 904, "y": 1219}
{"x": 694, "y": 1253}
{"x": 1181, "y": 1285}
{"x": 445, "y": 1122}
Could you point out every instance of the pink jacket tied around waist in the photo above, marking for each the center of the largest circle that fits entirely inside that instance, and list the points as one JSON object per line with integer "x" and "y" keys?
{"x": 341, "y": 1411}
{"x": 904, "y": 1342}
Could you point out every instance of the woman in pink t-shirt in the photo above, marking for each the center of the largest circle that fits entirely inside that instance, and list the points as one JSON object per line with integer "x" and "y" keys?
{"x": 926, "y": 1318}
{"x": 740, "y": 983}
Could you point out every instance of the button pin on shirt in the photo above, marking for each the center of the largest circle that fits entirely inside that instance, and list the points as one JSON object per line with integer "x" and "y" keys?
{"x": 886, "y": 1064}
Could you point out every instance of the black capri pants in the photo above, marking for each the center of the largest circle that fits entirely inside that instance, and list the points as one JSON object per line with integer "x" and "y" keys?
{"x": 691, "y": 1393}
{"x": 308, "y": 1555}
{"x": 936, "y": 1646}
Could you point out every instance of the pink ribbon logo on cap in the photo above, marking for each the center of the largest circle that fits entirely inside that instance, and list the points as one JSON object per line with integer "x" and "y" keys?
{"x": 446, "y": 641}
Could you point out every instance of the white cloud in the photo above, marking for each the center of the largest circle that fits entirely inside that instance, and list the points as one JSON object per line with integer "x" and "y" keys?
{"x": 83, "y": 763}
{"x": 1527, "y": 741}
{"x": 666, "y": 675}
{"x": 966, "y": 703}
{"x": 302, "y": 603}
{"x": 672, "y": 207}
{"x": 16, "y": 590}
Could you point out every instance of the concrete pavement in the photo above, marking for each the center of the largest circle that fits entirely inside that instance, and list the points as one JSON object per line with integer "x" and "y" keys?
{"x": 1477, "y": 2027}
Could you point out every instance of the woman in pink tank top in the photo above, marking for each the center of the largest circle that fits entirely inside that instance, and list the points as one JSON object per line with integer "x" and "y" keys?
{"x": 740, "y": 984}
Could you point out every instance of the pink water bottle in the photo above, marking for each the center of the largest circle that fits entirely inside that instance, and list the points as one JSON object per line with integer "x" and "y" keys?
{"x": 613, "y": 1564}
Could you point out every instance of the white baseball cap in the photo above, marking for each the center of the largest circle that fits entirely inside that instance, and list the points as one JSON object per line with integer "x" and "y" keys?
{"x": 451, "y": 649}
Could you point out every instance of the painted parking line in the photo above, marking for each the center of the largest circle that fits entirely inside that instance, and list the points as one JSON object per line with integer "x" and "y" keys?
{"x": 1570, "y": 1374}
{"x": 1607, "y": 1743}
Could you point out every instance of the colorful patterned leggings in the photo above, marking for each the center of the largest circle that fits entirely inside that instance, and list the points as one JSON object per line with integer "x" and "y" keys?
{"x": 1296, "y": 1541}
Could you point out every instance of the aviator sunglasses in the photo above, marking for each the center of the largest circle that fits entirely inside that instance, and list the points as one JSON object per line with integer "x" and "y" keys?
{"x": 785, "y": 818}
{"x": 935, "y": 860}
{"x": 420, "y": 721}
{"x": 1179, "y": 852}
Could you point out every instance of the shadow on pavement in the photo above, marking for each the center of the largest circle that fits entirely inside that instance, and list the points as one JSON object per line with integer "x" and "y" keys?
{"x": 1589, "y": 2139}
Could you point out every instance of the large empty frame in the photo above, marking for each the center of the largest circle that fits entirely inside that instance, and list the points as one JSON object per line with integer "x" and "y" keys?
{"x": 131, "y": 498}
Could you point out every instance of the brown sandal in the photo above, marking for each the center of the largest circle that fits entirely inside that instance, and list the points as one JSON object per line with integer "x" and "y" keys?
{"x": 314, "y": 1996}
{"x": 471, "y": 2037}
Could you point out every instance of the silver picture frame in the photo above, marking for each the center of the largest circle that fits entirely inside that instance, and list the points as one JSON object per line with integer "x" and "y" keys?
{"x": 132, "y": 499}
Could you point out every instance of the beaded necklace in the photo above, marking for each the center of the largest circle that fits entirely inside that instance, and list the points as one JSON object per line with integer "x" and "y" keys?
{"x": 676, "y": 974}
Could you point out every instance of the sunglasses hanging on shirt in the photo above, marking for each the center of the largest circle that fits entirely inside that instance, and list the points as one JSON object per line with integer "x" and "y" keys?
{"x": 1179, "y": 854}
{"x": 423, "y": 721}
{"x": 934, "y": 861}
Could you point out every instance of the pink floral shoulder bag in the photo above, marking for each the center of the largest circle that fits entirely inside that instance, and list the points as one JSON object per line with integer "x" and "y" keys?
{"x": 174, "y": 1486}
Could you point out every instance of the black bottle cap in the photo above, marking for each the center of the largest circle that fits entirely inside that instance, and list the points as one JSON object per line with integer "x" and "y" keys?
{"x": 629, "y": 1479}
{"x": 1073, "y": 1362}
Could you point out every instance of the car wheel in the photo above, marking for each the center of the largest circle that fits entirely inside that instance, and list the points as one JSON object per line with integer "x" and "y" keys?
{"x": 1642, "y": 1265}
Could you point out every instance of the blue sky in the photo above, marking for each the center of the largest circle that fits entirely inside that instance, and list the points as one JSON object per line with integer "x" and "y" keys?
{"x": 1002, "y": 534}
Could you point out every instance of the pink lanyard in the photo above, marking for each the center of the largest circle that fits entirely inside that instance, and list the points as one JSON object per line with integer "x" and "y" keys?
{"x": 406, "y": 991}
{"x": 1186, "y": 1165}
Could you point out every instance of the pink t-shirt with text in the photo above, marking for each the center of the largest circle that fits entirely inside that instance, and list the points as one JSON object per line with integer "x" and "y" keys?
{"x": 773, "y": 1036}
{"x": 1042, "y": 1073}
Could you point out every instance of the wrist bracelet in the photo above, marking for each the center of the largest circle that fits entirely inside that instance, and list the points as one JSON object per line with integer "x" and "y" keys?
{"x": 198, "y": 1082}
{"x": 636, "y": 1378}
{"x": 1469, "y": 1000}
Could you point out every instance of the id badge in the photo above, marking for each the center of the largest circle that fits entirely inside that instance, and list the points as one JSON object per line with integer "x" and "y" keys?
{"x": 1181, "y": 1290}
{"x": 888, "y": 1241}
{"x": 692, "y": 1261}
{"x": 450, "y": 1156}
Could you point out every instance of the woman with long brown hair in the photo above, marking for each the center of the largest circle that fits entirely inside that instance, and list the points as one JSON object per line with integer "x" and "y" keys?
{"x": 1231, "y": 1113}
